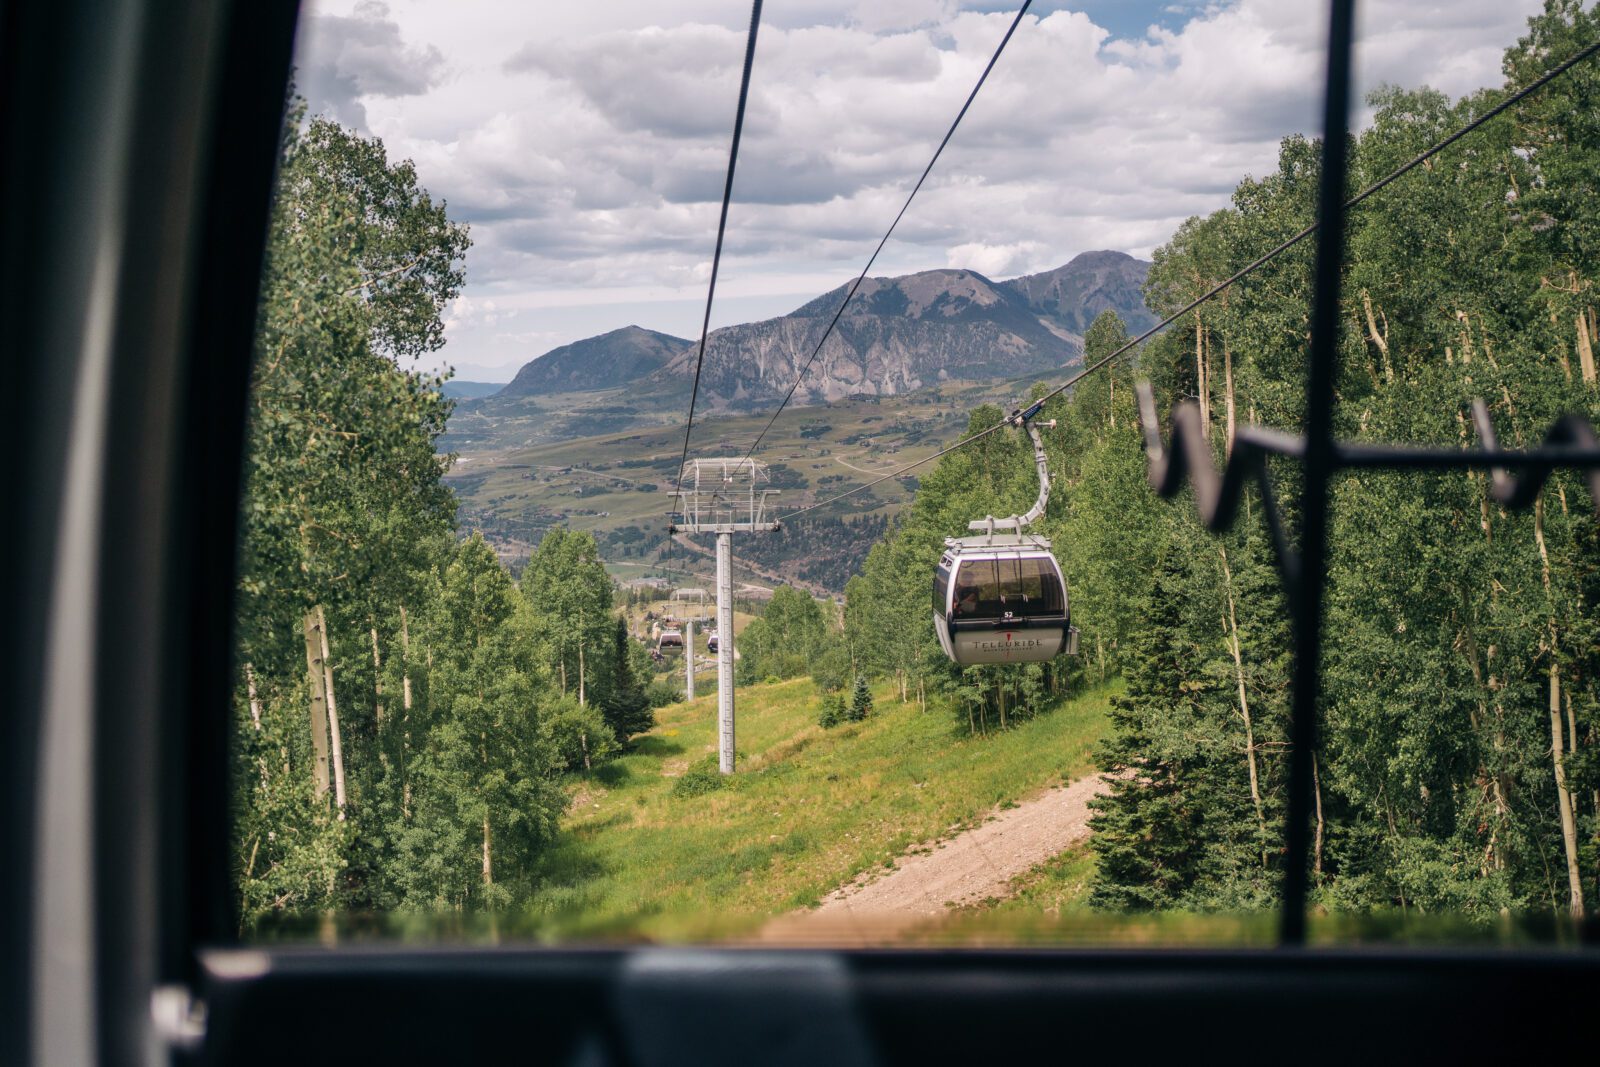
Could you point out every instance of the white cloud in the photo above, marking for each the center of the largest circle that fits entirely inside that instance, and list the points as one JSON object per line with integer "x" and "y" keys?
{"x": 587, "y": 143}
{"x": 343, "y": 58}
{"x": 1000, "y": 261}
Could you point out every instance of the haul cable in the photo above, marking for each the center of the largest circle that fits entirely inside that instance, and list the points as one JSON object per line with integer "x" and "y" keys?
{"x": 862, "y": 277}
{"x": 1515, "y": 98}
{"x": 722, "y": 227}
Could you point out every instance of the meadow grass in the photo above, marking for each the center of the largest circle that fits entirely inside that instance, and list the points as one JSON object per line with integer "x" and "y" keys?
{"x": 809, "y": 809}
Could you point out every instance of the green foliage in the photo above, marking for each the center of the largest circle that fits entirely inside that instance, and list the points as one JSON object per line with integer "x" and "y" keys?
{"x": 1459, "y": 665}
{"x": 860, "y": 701}
{"x": 568, "y": 611}
{"x": 484, "y": 771}
{"x": 786, "y": 638}
{"x": 833, "y": 711}
{"x": 701, "y": 778}
{"x": 627, "y": 707}
{"x": 831, "y": 668}
{"x": 662, "y": 693}
{"x": 579, "y": 736}
{"x": 446, "y": 679}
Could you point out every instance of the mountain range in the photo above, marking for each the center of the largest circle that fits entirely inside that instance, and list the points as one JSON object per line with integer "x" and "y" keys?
{"x": 897, "y": 335}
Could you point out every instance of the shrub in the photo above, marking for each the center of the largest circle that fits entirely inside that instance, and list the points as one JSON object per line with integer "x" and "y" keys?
{"x": 575, "y": 731}
{"x": 833, "y": 711}
{"x": 701, "y": 778}
{"x": 663, "y": 693}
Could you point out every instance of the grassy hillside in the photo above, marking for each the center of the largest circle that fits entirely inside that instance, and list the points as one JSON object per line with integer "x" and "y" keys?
{"x": 808, "y": 811}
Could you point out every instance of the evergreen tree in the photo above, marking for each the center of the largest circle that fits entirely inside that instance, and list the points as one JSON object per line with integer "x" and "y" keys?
{"x": 626, "y": 707}
{"x": 1147, "y": 829}
{"x": 860, "y": 701}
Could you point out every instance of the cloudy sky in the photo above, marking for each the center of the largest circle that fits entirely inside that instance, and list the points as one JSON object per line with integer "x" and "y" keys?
{"x": 586, "y": 143}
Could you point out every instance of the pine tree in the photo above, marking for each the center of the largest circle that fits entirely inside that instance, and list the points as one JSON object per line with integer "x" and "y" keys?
{"x": 1148, "y": 836}
{"x": 626, "y": 707}
{"x": 860, "y": 701}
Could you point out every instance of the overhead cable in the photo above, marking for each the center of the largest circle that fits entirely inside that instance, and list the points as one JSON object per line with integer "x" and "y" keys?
{"x": 860, "y": 278}
{"x": 722, "y": 227}
{"x": 1260, "y": 261}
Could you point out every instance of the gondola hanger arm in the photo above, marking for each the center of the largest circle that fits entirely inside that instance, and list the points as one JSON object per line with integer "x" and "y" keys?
{"x": 989, "y": 524}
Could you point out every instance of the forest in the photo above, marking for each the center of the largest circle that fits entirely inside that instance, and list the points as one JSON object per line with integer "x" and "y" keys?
{"x": 405, "y": 710}
{"x": 407, "y": 713}
{"x": 1459, "y": 766}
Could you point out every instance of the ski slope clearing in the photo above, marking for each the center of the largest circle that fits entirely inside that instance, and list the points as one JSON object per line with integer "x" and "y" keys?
{"x": 967, "y": 869}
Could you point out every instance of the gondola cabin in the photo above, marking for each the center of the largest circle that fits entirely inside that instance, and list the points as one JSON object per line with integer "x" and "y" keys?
{"x": 711, "y": 641}
{"x": 1001, "y": 599}
{"x": 670, "y": 640}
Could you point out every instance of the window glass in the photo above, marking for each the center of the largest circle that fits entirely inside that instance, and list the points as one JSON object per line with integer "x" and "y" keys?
{"x": 1038, "y": 588}
{"x": 453, "y": 714}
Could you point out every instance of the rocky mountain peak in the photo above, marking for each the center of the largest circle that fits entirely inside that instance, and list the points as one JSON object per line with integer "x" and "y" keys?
{"x": 897, "y": 335}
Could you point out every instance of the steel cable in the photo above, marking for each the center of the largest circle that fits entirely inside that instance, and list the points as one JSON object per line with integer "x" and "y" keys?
{"x": 722, "y": 227}
{"x": 851, "y": 292}
{"x": 1515, "y": 98}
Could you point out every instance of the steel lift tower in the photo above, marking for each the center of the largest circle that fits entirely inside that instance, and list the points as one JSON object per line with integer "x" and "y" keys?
{"x": 723, "y": 497}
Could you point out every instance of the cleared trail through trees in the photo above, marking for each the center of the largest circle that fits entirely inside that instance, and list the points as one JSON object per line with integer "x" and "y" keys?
{"x": 970, "y": 867}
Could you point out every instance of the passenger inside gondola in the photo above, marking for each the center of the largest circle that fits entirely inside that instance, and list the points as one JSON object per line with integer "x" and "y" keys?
{"x": 966, "y": 600}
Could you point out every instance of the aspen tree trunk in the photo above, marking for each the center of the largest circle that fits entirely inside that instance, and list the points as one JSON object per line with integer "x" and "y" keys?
{"x": 1585, "y": 350}
{"x": 581, "y": 672}
{"x": 405, "y": 663}
{"x": 1561, "y": 350}
{"x": 1227, "y": 385}
{"x": 377, "y": 679}
{"x": 255, "y": 720}
{"x": 1202, "y": 386}
{"x": 405, "y": 713}
{"x": 1569, "y": 832}
{"x": 1468, "y": 643}
{"x": 1316, "y": 851}
{"x": 255, "y": 701}
{"x": 319, "y": 707}
{"x": 1572, "y": 723}
{"x": 488, "y": 865}
{"x": 583, "y": 740}
{"x": 1244, "y": 706}
{"x": 1378, "y": 339}
{"x": 333, "y": 712}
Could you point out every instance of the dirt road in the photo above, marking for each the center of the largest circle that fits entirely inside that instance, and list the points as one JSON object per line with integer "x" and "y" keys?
{"x": 968, "y": 868}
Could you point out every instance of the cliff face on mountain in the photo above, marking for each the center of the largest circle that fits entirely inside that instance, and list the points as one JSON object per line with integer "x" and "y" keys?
{"x": 1071, "y": 296}
{"x": 897, "y": 335}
